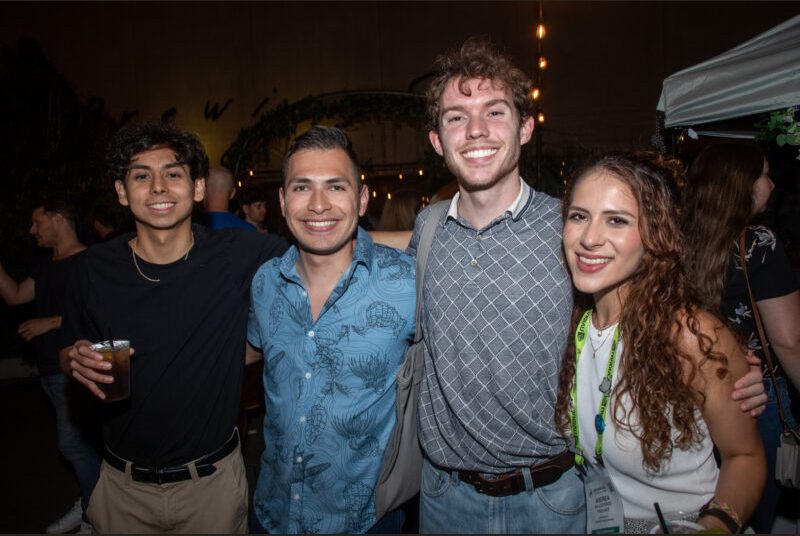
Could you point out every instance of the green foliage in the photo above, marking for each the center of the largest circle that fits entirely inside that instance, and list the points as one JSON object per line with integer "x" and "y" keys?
{"x": 277, "y": 126}
{"x": 781, "y": 127}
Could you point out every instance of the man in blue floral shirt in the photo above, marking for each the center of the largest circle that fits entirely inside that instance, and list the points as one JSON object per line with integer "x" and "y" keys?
{"x": 333, "y": 318}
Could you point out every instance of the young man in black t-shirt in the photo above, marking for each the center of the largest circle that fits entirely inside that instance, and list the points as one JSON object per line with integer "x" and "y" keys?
{"x": 180, "y": 293}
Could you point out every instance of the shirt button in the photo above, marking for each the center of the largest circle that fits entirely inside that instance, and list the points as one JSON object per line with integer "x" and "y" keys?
{"x": 299, "y": 459}
{"x": 311, "y": 333}
{"x": 308, "y": 375}
{"x": 296, "y": 497}
{"x": 303, "y": 418}
{"x": 303, "y": 293}
{"x": 479, "y": 238}
{"x": 473, "y": 263}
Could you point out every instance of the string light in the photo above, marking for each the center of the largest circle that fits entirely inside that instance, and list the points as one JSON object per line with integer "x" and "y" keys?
{"x": 363, "y": 177}
{"x": 400, "y": 176}
{"x": 420, "y": 173}
{"x": 535, "y": 93}
{"x": 540, "y": 117}
{"x": 542, "y": 63}
{"x": 250, "y": 172}
{"x": 389, "y": 196}
{"x": 374, "y": 194}
{"x": 239, "y": 183}
{"x": 540, "y": 31}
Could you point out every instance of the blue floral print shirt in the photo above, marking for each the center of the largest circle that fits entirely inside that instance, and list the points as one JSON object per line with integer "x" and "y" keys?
{"x": 330, "y": 387}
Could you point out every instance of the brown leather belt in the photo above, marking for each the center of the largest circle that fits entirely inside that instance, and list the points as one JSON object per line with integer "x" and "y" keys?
{"x": 542, "y": 474}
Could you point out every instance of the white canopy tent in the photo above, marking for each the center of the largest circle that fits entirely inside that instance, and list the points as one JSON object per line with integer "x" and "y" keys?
{"x": 760, "y": 75}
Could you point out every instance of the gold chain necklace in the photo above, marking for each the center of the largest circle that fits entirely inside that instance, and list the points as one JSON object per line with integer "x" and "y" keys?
{"x": 136, "y": 264}
{"x": 602, "y": 338}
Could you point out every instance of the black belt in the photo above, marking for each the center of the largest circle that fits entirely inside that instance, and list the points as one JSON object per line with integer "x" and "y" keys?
{"x": 542, "y": 474}
{"x": 163, "y": 475}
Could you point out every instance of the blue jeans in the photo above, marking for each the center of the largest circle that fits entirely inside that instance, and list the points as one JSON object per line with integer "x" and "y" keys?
{"x": 72, "y": 440}
{"x": 770, "y": 428}
{"x": 448, "y": 505}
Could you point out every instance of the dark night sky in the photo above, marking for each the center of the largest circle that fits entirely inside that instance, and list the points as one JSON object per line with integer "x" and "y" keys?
{"x": 607, "y": 59}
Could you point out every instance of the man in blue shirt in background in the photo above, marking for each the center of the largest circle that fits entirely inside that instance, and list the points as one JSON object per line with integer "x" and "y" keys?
{"x": 333, "y": 318}
{"x": 219, "y": 192}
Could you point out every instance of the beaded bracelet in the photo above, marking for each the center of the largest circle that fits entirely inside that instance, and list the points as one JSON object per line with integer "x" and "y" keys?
{"x": 724, "y": 513}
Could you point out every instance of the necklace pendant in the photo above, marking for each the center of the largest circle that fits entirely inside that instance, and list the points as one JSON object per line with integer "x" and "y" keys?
{"x": 599, "y": 424}
{"x": 605, "y": 386}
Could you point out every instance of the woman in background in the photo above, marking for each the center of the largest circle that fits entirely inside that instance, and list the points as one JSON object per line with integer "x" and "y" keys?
{"x": 400, "y": 211}
{"x": 728, "y": 185}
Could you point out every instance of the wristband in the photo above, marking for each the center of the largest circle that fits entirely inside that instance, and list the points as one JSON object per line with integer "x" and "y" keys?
{"x": 724, "y": 513}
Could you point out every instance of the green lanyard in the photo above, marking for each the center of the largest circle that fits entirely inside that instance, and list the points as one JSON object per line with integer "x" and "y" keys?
{"x": 605, "y": 388}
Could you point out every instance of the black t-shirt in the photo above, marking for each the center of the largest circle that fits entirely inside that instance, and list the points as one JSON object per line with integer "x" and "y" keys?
{"x": 188, "y": 332}
{"x": 771, "y": 276}
{"x": 51, "y": 278}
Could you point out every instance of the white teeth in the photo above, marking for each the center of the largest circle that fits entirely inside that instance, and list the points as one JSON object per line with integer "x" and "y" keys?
{"x": 479, "y": 153}
{"x": 584, "y": 260}
{"x": 320, "y": 223}
{"x": 162, "y": 206}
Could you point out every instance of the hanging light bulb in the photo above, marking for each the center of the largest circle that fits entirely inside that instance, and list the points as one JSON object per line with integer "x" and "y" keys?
{"x": 400, "y": 176}
{"x": 540, "y": 31}
{"x": 420, "y": 173}
{"x": 240, "y": 184}
{"x": 363, "y": 177}
{"x": 389, "y": 196}
{"x": 540, "y": 117}
{"x": 542, "y": 63}
{"x": 535, "y": 93}
{"x": 250, "y": 172}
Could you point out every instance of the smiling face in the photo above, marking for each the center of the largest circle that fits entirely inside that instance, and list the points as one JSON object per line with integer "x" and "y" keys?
{"x": 322, "y": 199}
{"x": 159, "y": 190}
{"x": 762, "y": 188}
{"x": 480, "y": 135}
{"x": 601, "y": 236}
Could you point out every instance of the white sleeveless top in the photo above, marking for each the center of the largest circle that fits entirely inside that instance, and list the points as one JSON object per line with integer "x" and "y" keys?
{"x": 685, "y": 483}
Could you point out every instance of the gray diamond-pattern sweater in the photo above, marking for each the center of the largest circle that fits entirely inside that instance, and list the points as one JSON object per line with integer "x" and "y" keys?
{"x": 497, "y": 303}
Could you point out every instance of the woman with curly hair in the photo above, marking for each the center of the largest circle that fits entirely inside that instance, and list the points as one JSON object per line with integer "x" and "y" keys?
{"x": 645, "y": 385}
{"x": 729, "y": 184}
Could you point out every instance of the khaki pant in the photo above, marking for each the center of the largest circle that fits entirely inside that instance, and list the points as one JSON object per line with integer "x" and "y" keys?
{"x": 212, "y": 504}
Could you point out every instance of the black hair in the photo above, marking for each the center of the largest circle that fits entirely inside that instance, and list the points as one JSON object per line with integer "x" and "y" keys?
{"x": 52, "y": 206}
{"x": 321, "y": 139}
{"x": 138, "y": 138}
{"x": 250, "y": 194}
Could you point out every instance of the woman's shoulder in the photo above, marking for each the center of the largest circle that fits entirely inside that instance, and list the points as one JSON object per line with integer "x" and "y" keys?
{"x": 704, "y": 339}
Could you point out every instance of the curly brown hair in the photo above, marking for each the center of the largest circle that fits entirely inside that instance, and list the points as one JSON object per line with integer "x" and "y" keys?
{"x": 654, "y": 371}
{"x": 478, "y": 58}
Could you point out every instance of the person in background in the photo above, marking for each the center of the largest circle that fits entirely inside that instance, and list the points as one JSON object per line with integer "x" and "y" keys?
{"x": 647, "y": 360}
{"x": 728, "y": 185}
{"x": 54, "y": 228}
{"x": 219, "y": 192}
{"x": 253, "y": 202}
{"x": 104, "y": 222}
{"x": 400, "y": 211}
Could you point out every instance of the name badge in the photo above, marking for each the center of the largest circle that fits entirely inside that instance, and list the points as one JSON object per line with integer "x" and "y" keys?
{"x": 604, "y": 513}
